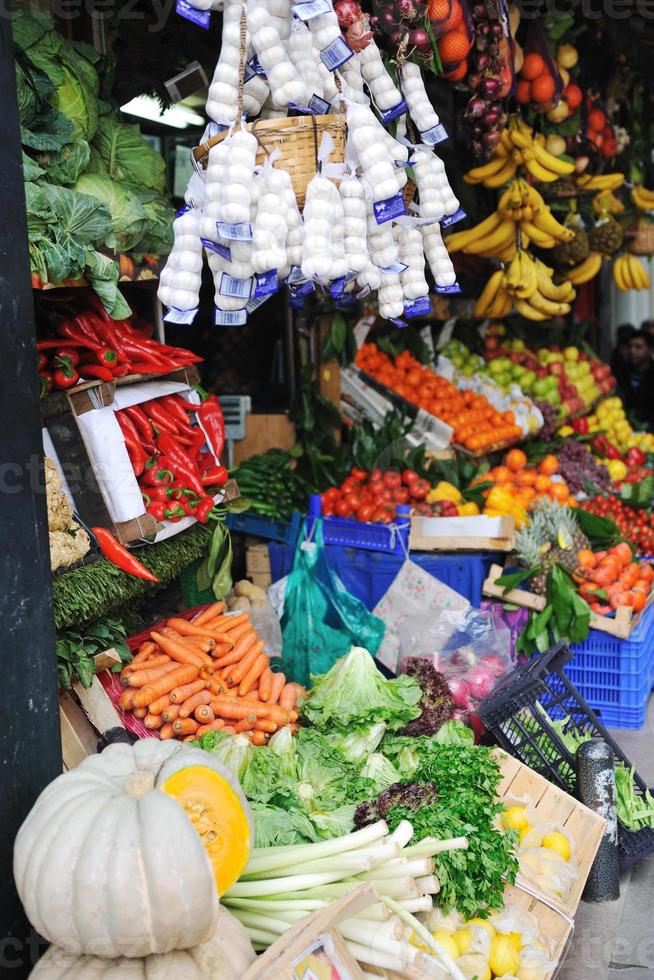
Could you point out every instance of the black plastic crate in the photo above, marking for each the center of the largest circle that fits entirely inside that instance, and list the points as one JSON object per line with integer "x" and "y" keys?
{"x": 518, "y": 713}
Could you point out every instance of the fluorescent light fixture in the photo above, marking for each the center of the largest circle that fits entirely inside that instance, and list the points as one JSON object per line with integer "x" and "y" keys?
{"x": 178, "y": 116}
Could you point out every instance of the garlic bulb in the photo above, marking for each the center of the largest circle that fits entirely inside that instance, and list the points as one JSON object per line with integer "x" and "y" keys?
{"x": 414, "y": 91}
{"x": 438, "y": 258}
{"x": 270, "y": 227}
{"x": 285, "y": 84}
{"x": 369, "y": 278}
{"x": 213, "y": 189}
{"x": 381, "y": 243}
{"x": 391, "y": 302}
{"x": 255, "y": 93}
{"x": 317, "y": 237}
{"x": 240, "y": 265}
{"x": 271, "y": 111}
{"x": 410, "y": 248}
{"x": 295, "y": 230}
{"x": 280, "y": 13}
{"x": 436, "y": 196}
{"x": 305, "y": 58}
{"x": 380, "y": 84}
{"x": 353, "y": 198}
{"x": 222, "y": 101}
{"x": 329, "y": 90}
{"x": 353, "y": 79}
{"x": 180, "y": 279}
{"x": 339, "y": 266}
{"x": 378, "y": 167}
{"x": 228, "y": 303}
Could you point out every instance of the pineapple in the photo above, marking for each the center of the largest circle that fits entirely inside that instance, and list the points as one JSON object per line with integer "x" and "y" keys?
{"x": 532, "y": 544}
{"x": 552, "y": 536}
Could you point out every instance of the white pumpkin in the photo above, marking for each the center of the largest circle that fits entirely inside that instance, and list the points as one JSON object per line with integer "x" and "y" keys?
{"x": 227, "y": 955}
{"x": 108, "y": 862}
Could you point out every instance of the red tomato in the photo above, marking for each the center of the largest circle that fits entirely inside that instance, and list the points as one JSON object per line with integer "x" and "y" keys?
{"x": 401, "y": 495}
{"x": 353, "y": 500}
{"x": 327, "y": 510}
{"x": 408, "y": 477}
{"x": 332, "y": 495}
{"x": 377, "y": 515}
{"x": 359, "y": 475}
{"x": 376, "y": 475}
{"x": 392, "y": 480}
{"x": 365, "y": 513}
{"x": 343, "y": 508}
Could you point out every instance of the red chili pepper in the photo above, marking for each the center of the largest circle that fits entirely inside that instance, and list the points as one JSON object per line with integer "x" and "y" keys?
{"x": 43, "y": 362}
{"x": 114, "y": 552}
{"x": 212, "y": 420}
{"x": 157, "y": 508}
{"x": 67, "y": 345}
{"x": 198, "y": 440}
{"x": 203, "y": 511}
{"x": 142, "y": 423}
{"x": 107, "y": 356}
{"x": 184, "y": 467}
{"x": 138, "y": 351}
{"x": 79, "y": 331}
{"x": 120, "y": 370}
{"x": 105, "y": 329}
{"x": 147, "y": 367}
{"x": 217, "y": 476}
{"x": 156, "y": 473}
{"x": 96, "y": 371}
{"x": 46, "y": 383}
{"x": 65, "y": 375}
{"x": 154, "y": 493}
{"x": 137, "y": 453}
{"x": 142, "y": 327}
{"x": 158, "y": 414}
{"x": 176, "y": 411}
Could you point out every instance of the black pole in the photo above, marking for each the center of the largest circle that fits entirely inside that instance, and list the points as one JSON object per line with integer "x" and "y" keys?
{"x": 30, "y": 751}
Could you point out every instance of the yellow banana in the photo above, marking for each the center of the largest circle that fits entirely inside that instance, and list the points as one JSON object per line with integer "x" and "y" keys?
{"x": 643, "y": 198}
{"x": 606, "y": 201}
{"x": 507, "y": 253}
{"x": 489, "y": 293}
{"x": 538, "y": 237}
{"x": 586, "y": 270}
{"x": 548, "y": 224}
{"x": 460, "y": 239}
{"x": 637, "y": 272}
{"x": 618, "y": 273}
{"x": 550, "y": 162}
{"x": 505, "y": 140}
{"x": 501, "y": 305}
{"x": 521, "y": 139}
{"x": 495, "y": 241}
{"x": 539, "y": 172}
{"x": 601, "y": 182}
{"x": 501, "y": 176}
{"x": 548, "y": 306}
{"x": 563, "y": 293}
{"x": 479, "y": 174}
{"x": 527, "y": 311}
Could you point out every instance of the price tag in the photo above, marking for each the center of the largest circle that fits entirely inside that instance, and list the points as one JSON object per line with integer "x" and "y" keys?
{"x": 428, "y": 341}
{"x": 417, "y": 307}
{"x": 236, "y": 288}
{"x": 347, "y": 299}
{"x": 255, "y": 65}
{"x": 434, "y": 135}
{"x": 255, "y": 303}
{"x": 239, "y": 232}
{"x": 393, "y": 113}
{"x": 200, "y": 17}
{"x": 230, "y": 318}
{"x": 446, "y": 332}
{"x": 336, "y": 53}
{"x": 451, "y": 219}
{"x": 448, "y": 290}
{"x": 389, "y": 209}
{"x": 222, "y": 250}
{"x": 248, "y": 72}
{"x": 180, "y": 316}
{"x": 394, "y": 268}
{"x": 398, "y": 322}
{"x": 428, "y": 423}
{"x": 311, "y": 8}
{"x": 182, "y": 211}
{"x": 303, "y": 289}
{"x": 318, "y": 106}
{"x": 267, "y": 284}
{"x": 337, "y": 287}
{"x": 303, "y": 110}
{"x": 363, "y": 326}
{"x": 364, "y": 292}
{"x": 295, "y": 275}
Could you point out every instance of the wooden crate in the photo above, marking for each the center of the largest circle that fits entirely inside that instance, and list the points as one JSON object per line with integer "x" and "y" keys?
{"x": 257, "y": 563}
{"x": 621, "y": 627}
{"x": 263, "y": 432}
{"x": 555, "y": 925}
{"x": 423, "y": 539}
{"x": 554, "y": 805}
{"x": 85, "y": 716}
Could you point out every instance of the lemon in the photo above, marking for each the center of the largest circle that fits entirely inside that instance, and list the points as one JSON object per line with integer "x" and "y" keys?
{"x": 525, "y": 830}
{"x": 559, "y": 843}
{"x": 474, "y": 965}
{"x": 448, "y": 944}
{"x": 515, "y": 938}
{"x": 515, "y": 818}
{"x": 463, "y": 938}
{"x": 485, "y": 924}
{"x": 503, "y": 957}
{"x": 417, "y": 941}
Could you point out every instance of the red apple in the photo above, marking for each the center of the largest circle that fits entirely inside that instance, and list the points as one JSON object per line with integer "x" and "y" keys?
{"x": 556, "y": 367}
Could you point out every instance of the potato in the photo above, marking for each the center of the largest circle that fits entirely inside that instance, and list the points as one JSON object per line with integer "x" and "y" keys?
{"x": 242, "y": 603}
{"x": 258, "y": 603}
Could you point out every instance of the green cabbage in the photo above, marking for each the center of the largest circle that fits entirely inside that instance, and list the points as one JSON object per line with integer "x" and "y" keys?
{"x": 382, "y": 772}
{"x": 65, "y": 165}
{"x": 129, "y": 219}
{"x": 123, "y": 154}
{"x": 77, "y": 102}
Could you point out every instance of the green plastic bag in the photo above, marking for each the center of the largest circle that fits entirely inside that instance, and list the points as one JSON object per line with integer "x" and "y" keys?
{"x": 321, "y": 620}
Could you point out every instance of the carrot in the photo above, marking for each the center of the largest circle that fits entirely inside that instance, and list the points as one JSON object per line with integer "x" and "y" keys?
{"x": 246, "y": 724}
{"x": 226, "y": 623}
{"x": 146, "y": 648}
{"x": 203, "y": 714}
{"x": 185, "y": 726}
{"x": 197, "y": 643}
{"x": 232, "y": 708}
{"x": 257, "y": 738}
{"x": 238, "y": 651}
{"x": 171, "y": 712}
{"x": 126, "y": 699}
{"x": 280, "y": 716}
{"x": 159, "y": 704}
{"x": 213, "y": 726}
{"x": 139, "y": 712}
{"x": 238, "y": 631}
{"x": 288, "y": 697}
{"x": 216, "y": 686}
{"x": 253, "y": 674}
{"x": 239, "y": 671}
{"x": 265, "y": 725}
{"x": 228, "y": 730}
{"x": 208, "y": 614}
{"x": 146, "y": 664}
{"x": 180, "y": 694}
{"x": 189, "y": 706}
{"x": 166, "y": 731}
{"x": 184, "y": 628}
{"x": 278, "y": 682}
{"x": 139, "y": 658}
{"x": 152, "y": 721}
{"x": 177, "y": 651}
{"x": 189, "y": 738}
{"x": 144, "y": 677}
{"x": 181, "y": 675}
{"x": 265, "y": 684}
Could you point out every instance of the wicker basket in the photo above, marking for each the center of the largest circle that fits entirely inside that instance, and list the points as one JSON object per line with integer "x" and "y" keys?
{"x": 641, "y": 239}
{"x": 297, "y": 139}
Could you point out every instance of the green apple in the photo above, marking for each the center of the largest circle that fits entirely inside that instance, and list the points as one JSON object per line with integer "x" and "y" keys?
{"x": 541, "y": 387}
{"x": 584, "y": 367}
{"x": 504, "y": 379}
{"x": 553, "y": 397}
{"x": 553, "y": 382}
{"x": 458, "y": 360}
{"x": 571, "y": 353}
{"x": 468, "y": 369}
{"x": 495, "y": 366}
{"x": 554, "y": 356}
{"x": 519, "y": 345}
{"x": 528, "y": 379}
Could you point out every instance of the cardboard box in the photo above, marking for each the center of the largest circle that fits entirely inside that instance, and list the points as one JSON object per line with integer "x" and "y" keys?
{"x": 462, "y": 533}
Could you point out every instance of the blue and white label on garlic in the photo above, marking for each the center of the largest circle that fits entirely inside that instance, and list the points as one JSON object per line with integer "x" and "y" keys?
{"x": 240, "y": 231}
{"x": 347, "y": 299}
{"x": 336, "y": 53}
{"x": 393, "y": 113}
{"x": 248, "y": 72}
{"x": 267, "y": 283}
{"x": 303, "y": 289}
{"x": 417, "y": 307}
{"x": 304, "y": 110}
{"x": 389, "y": 209}
{"x": 318, "y": 106}
{"x": 312, "y": 8}
{"x": 184, "y": 208}
{"x": 256, "y": 66}
{"x": 200, "y": 17}
{"x": 180, "y": 316}
{"x": 222, "y": 250}
{"x": 256, "y": 302}
{"x": 364, "y": 292}
{"x": 230, "y": 318}
{"x": 434, "y": 135}
{"x": 451, "y": 219}
{"x": 235, "y": 288}
{"x": 337, "y": 287}
{"x": 295, "y": 275}
{"x": 394, "y": 268}
{"x": 398, "y": 322}
{"x": 448, "y": 290}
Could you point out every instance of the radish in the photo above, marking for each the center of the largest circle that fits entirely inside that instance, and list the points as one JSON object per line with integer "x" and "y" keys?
{"x": 481, "y": 682}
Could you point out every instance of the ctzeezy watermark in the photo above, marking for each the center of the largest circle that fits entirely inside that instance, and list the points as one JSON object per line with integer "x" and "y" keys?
{"x": 105, "y": 10}
{"x": 589, "y": 9}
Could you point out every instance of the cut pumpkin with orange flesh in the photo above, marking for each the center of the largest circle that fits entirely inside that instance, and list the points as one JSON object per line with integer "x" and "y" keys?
{"x": 218, "y": 815}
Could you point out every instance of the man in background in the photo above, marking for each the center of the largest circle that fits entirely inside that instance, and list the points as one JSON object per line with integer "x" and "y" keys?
{"x": 620, "y": 355}
{"x": 648, "y": 327}
{"x": 636, "y": 378}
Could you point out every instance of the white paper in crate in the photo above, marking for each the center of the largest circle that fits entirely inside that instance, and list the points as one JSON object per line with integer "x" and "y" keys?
{"x": 413, "y": 592}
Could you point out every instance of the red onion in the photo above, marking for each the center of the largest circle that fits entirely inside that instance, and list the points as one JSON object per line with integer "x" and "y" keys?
{"x": 476, "y": 107}
{"x": 490, "y": 86}
{"x": 420, "y": 38}
{"x": 479, "y": 11}
{"x": 485, "y": 28}
{"x": 406, "y": 9}
{"x": 492, "y": 116}
{"x": 496, "y": 30}
{"x": 490, "y": 141}
{"x": 482, "y": 61}
{"x": 347, "y": 12}
{"x": 494, "y": 663}
{"x": 460, "y": 692}
{"x": 480, "y": 682}
{"x": 387, "y": 19}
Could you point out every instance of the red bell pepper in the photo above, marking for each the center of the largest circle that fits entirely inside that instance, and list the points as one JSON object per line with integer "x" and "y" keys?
{"x": 204, "y": 509}
{"x": 114, "y": 552}
{"x": 157, "y": 509}
{"x": 184, "y": 467}
{"x": 612, "y": 452}
{"x": 580, "y": 426}
{"x": 65, "y": 374}
{"x": 635, "y": 457}
{"x": 46, "y": 383}
{"x": 69, "y": 354}
{"x": 157, "y": 473}
{"x": 217, "y": 476}
{"x": 107, "y": 357}
{"x": 43, "y": 362}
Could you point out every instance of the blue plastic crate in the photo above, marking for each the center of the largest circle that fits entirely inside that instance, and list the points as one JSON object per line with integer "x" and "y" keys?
{"x": 266, "y": 527}
{"x": 343, "y": 532}
{"x": 616, "y": 676}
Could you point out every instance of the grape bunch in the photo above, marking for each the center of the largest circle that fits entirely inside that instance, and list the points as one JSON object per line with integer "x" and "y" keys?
{"x": 550, "y": 418}
{"x": 490, "y": 81}
{"x": 577, "y": 464}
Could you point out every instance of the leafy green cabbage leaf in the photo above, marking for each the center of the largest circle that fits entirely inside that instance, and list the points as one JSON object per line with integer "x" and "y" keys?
{"x": 123, "y": 154}
{"x": 65, "y": 165}
{"x": 129, "y": 219}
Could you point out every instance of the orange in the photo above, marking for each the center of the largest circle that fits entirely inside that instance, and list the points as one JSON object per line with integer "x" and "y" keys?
{"x": 532, "y": 66}
{"x": 639, "y": 600}
{"x": 459, "y": 73}
{"x": 501, "y": 474}
{"x": 548, "y": 465}
{"x": 453, "y": 48}
{"x": 515, "y": 459}
{"x": 542, "y": 483}
{"x": 586, "y": 558}
{"x": 447, "y": 16}
{"x": 622, "y": 552}
{"x": 573, "y": 96}
{"x": 542, "y": 88}
{"x": 526, "y": 478}
{"x": 559, "y": 491}
{"x": 596, "y": 120}
{"x": 523, "y": 91}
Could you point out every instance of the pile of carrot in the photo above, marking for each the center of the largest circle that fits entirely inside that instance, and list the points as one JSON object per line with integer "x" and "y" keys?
{"x": 205, "y": 675}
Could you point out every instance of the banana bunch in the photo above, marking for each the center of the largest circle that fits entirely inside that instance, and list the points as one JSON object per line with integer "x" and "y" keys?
{"x": 586, "y": 270}
{"x": 607, "y": 202}
{"x": 600, "y": 182}
{"x": 527, "y": 285}
{"x": 494, "y": 237}
{"x": 643, "y": 198}
{"x": 518, "y": 147}
{"x": 628, "y": 273}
